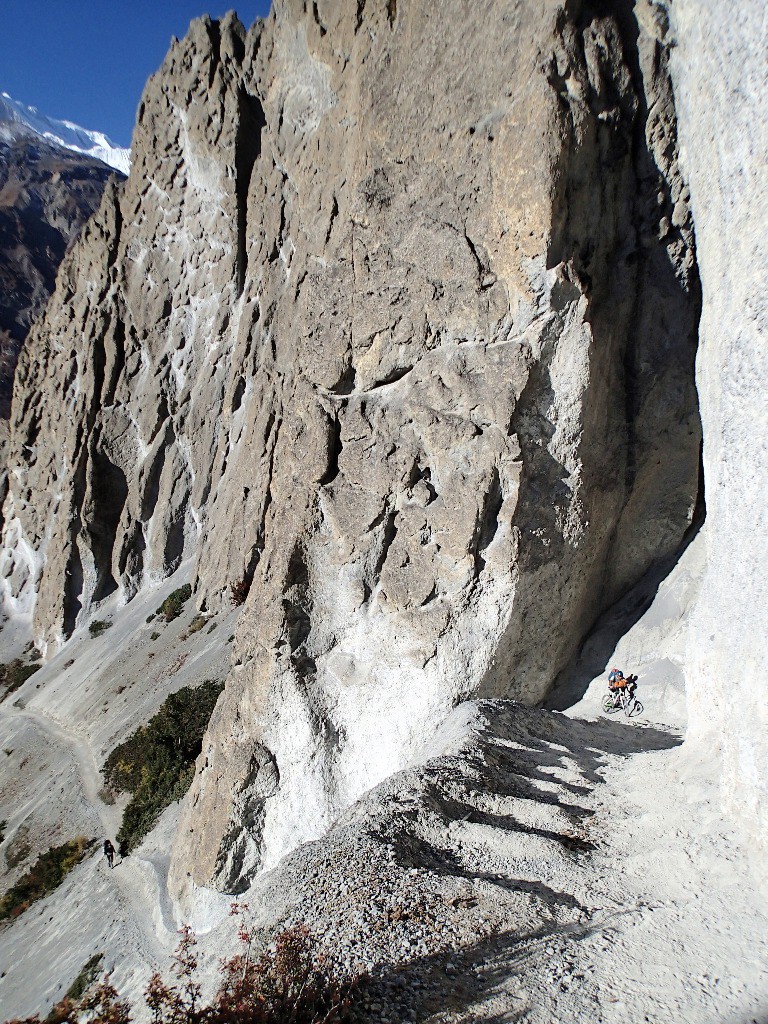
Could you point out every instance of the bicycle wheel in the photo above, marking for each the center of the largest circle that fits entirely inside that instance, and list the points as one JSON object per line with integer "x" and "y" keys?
{"x": 609, "y": 705}
{"x": 634, "y": 709}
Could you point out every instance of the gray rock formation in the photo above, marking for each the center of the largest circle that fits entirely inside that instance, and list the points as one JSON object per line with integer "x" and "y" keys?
{"x": 721, "y": 78}
{"x": 394, "y": 325}
{"x": 46, "y": 195}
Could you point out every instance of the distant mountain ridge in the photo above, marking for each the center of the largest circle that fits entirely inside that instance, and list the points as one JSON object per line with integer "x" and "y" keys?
{"x": 64, "y": 133}
{"x": 52, "y": 176}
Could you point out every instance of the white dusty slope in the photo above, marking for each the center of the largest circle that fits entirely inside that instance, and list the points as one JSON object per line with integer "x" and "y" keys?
{"x": 720, "y": 71}
{"x": 55, "y": 733}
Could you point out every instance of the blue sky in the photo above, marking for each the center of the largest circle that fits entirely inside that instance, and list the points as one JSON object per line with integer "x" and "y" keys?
{"x": 87, "y": 60}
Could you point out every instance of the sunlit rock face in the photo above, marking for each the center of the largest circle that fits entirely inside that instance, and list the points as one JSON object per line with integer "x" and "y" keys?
{"x": 394, "y": 325}
{"x": 115, "y": 413}
{"x": 721, "y": 77}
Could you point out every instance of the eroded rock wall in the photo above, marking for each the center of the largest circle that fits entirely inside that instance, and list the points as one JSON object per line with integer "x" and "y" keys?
{"x": 481, "y": 426}
{"x": 116, "y": 416}
{"x": 721, "y": 80}
{"x": 394, "y": 325}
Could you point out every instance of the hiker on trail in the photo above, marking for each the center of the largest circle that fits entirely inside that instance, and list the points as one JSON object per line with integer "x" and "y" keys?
{"x": 109, "y": 853}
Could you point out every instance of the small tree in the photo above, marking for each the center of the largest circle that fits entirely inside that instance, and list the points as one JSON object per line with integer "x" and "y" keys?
{"x": 179, "y": 1001}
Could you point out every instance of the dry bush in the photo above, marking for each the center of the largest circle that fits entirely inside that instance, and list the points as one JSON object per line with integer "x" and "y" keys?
{"x": 287, "y": 984}
{"x": 290, "y": 983}
{"x": 238, "y": 591}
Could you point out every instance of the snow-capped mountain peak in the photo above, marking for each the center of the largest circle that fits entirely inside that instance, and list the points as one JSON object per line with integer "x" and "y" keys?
{"x": 65, "y": 133}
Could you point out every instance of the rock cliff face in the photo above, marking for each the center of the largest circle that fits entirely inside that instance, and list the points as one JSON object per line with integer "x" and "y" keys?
{"x": 46, "y": 195}
{"x": 721, "y": 78}
{"x": 393, "y": 324}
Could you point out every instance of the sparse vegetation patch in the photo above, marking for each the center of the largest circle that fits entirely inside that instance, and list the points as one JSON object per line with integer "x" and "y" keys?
{"x": 99, "y": 626}
{"x": 46, "y": 874}
{"x": 86, "y": 977}
{"x": 15, "y": 674}
{"x": 156, "y": 763}
{"x": 197, "y": 624}
{"x": 289, "y": 983}
{"x": 173, "y": 605}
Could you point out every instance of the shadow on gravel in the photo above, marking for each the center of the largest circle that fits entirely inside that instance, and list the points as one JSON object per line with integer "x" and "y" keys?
{"x": 526, "y": 774}
{"x": 523, "y": 757}
{"x": 450, "y": 982}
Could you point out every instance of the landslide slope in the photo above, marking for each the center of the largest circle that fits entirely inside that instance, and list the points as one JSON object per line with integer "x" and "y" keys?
{"x": 393, "y": 324}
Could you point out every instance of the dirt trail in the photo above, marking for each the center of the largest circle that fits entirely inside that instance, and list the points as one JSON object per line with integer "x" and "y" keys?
{"x": 90, "y": 775}
{"x": 140, "y": 879}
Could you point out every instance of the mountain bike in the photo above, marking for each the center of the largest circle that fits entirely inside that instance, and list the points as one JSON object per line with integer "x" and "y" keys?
{"x": 620, "y": 700}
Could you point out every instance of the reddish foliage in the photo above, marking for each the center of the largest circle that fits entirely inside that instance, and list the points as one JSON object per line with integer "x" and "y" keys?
{"x": 238, "y": 591}
{"x": 290, "y": 983}
{"x": 102, "y": 1007}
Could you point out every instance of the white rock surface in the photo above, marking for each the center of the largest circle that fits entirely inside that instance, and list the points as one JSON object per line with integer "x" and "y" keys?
{"x": 531, "y": 864}
{"x": 720, "y": 70}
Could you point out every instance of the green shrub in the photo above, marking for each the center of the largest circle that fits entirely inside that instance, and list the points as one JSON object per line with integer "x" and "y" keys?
{"x": 87, "y": 976}
{"x": 49, "y": 871}
{"x": 156, "y": 763}
{"x": 196, "y": 624}
{"x": 15, "y": 674}
{"x": 153, "y": 636}
{"x": 173, "y": 605}
{"x": 99, "y": 626}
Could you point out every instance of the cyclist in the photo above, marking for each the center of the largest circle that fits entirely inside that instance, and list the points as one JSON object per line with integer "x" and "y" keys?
{"x": 617, "y": 682}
